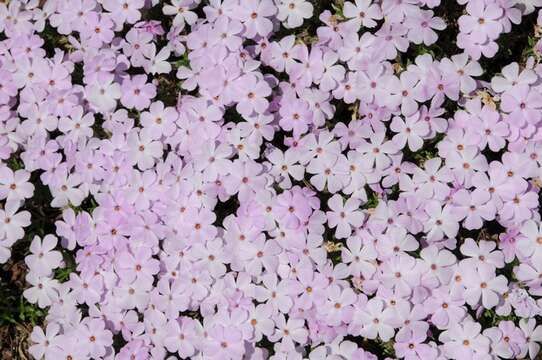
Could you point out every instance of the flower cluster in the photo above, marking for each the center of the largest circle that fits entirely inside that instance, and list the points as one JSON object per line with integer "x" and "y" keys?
{"x": 232, "y": 188}
{"x": 484, "y": 22}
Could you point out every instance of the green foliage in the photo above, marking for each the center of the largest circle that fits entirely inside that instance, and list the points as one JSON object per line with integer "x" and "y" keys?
{"x": 63, "y": 274}
{"x": 372, "y": 199}
{"x": 14, "y": 309}
{"x": 15, "y": 163}
{"x": 490, "y": 318}
{"x": 338, "y": 9}
{"x": 183, "y": 61}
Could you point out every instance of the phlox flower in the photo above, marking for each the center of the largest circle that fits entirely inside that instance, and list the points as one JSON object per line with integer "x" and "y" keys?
{"x": 181, "y": 337}
{"x": 295, "y": 116}
{"x": 293, "y": 12}
{"x": 143, "y": 150}
{"x": 375, "y": 320}
{"x": 160, "y": 120}
{"x": 330, "y": 172}
{"x": 135, "y": 45}
{"x": 135, "y": 349}
{"x": 465, "y": 341}
{"x": 289, "y": 331}
{"x": 464, "y": 67}
{"x": 77, "y": 126}
{"x": 512, "y": 77}
{"x": 285, "y": 165}
{"x": 43, "y": 341}
{"x": 224, "y": 343}
{"x": 43, "y": 259}
{"x": 344, "y": 216}
{"x": 245, "y": 178}
{"x": 69, "y": 347}
{"x": 68, "y": 190}
{"x": 507, "y": 340}
{"x": 333, "y": 72}
{"x": 158, "y": 60}
{"x": 522, "y": 103}
{"x": 259, "y": 255}
{"x": 466, "y": 162}
{"x": 128, "y": 295}
{"x": 124, "y": 11}
{"x": 254, "y": 15}
{"x": 432, "y": 181}
{"x": 392, "y": 38}
{"x": 411, "y": 130}
{"x": 395, "y": 241}
{"x": 360, "y": 258}
{"x": 275, "y": 293}
{"x": 14, "y": 185}
{"x": 99, "y": 29}
{"x": 199, "y": 224}
{"x": 137, "y": 93}
{"x": 400, "y": 273}
{"x": 103, "y": 95}
{"x": 338, "y": 307}
{"x": 442, "y": 221}
{"x": 182, "y": 11}
{"x": 87, "y": 288}
{"x": 377, "y": 150}
{"x": 445, "y": 310}
{"x": 474, "y": 207}
{"x": 482, "y": 21}
{"x": 529, "y": 273}
{"x": 481, "y": 282}
{"x": 422, "y": 25}
{"x": 491, "y": 130}
{"x": 410, "y": 345}
{"x": 137, "y": 265}
{"x": 530, "y": 244}
{"x": 482, "y": 253}
{"x": 12, "y": 222}
{"x": 519, "y": 207}
{"x": 282, "y": 53}
{"x": 533, "y": 334}
{"x": 98, "y": 338}
{"x": 363, "y": 12}
{"x": 470, "y": 44}
{"x": 39, "y": 120}
{"x": 293, "y": 208}
{"x": 43, "y": 290}
{"x": 251, "y": 94}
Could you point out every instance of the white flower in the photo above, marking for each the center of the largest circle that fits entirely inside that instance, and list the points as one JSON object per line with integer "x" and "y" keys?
{"x": 293, "y": 12}
{"x": 44, "y": 290}
{"x": 363, "y": 12}
{"x": 533, "y": 334}
{"x": 464, "y": 341}
{"x": 482, "y": 283}
{"x": 43, "y": 259}
{"x": 143, "y": 150}
{"x": 344, "y": 216}
{"x": 531, "y": 243}
{"x": 67, "y": 191}
{"x": 512, "y": 77}
{"x": 12, "y": 223}
{"x": 14, "y": 186}
{"x": 375, "y": 320}
{"x": 181, "y": 10}
{"x": 103, "y": 95}
{"x": 158, "y": 63}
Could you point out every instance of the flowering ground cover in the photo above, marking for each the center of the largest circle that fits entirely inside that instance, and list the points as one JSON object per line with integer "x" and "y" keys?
{"x": 270, "y": 179}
